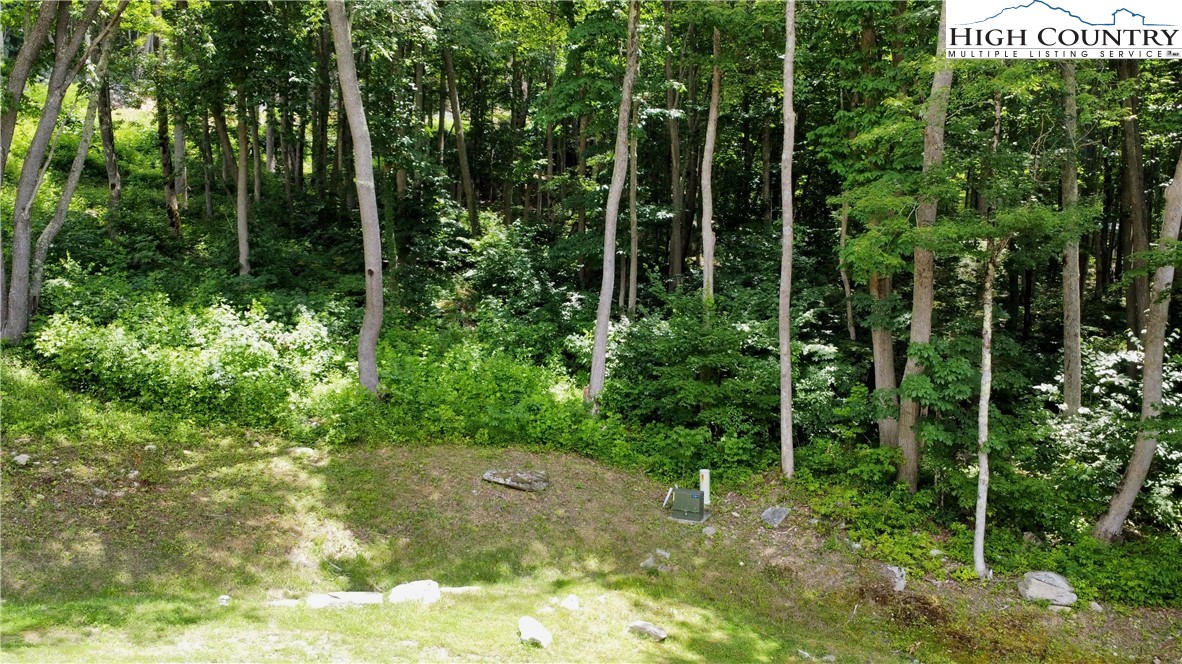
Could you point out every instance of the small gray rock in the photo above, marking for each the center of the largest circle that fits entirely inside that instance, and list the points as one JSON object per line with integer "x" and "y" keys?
{"x": 648, "y": 630}
{"x": 935, "y": 553}
{"x": 99, "y": 493}
{"x": 21, "y": 459}
{"x": 149, "y": 448}
{"x": 663, "y": 553}
{"x": 1059, "y": 609}
{"x": 897, "y": 576}
{"x": 570, "y": 603}
{"x": 829, "y": 658}
{"x": 533, "y": 632}
{"x": 1047, "y": 586}
{"x": 425, "y": 592}
{"x": 342, "y": 599}
{"x": 803, "y": 655}
{"x": 649, "y": 563}
{"x": 1095, "y": 606}
{"x": 856, "y": 546}
{"x": 774, "y": 516}
{"x": 133, "y": 475}
{"x": 709, "y": 531}
{"x": 224, "y": 600}
{"x": 524, "y": 480}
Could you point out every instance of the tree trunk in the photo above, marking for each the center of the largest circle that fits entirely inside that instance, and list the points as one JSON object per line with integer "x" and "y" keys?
{"x": 207, "y": 165}
{"x": 286, "y": 153}
{"x": 1072, "y": 359}
{"x": 787, "y": 464}
{"x": 1137, "y": 300}
{"x": 321, "y": 105}
{"x": 882, "y": 346}
{"x": 458, "y": 124}
{"x": 1113, "y": 521}
{"x": 614, "y": 194}
{"x": 257, "y": 159}
{"x": 708, "y": 175}
{"x": 676, "y": 255}
{"x": 923, "y": 290}
{"x": 634, "y": 249}
{"x": 219, "y": 123}
{"x": 845, "y": 273}
{"x": 243, "y": 206}
{"x": 18, "y": 76}
{"x": 765, "y": 192}
{"x": 371, "y": 235}
{"x": 180, "y": 166}
{"x": 107, "y": 134}
{"x": 270, "y": 140}
{"x": 59, "y": 216}
{"x": 581, "y": 171}
{"x": 983, "y": 413}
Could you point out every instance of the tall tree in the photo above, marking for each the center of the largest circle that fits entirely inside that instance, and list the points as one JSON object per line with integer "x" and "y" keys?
{"x": 634, "y": 232}
{"x": 1072, "y": 357}
{"x": 923, "y": 290}
{"x": 676, "y": 258}
{"x": 787, "y": 236}
{"x": 371, "y": 232}
{"x": 243, "y": 203}
{"x": 708, "y": 172}
{"x": 18, "y": 76}
{"x": 611, "y": 213}
{"x": 993, "y": 251}
{"x": 1137, "y": 299}
{"x": 1113, "y": 521}
{"x": 461, "y": 147}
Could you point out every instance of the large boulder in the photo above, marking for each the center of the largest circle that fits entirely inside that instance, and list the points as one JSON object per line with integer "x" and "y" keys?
{"x": 425, "y": 592}
{"x": 525, "y": 480}
{"x": 1047, "y": 586}
{"x": 533, "y": 632}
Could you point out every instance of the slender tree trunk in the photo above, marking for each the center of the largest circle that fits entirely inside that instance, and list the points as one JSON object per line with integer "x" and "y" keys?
{"x": 676, "y": 254}
{"x": 765, "y": 192}
{"x": 243, "y": 206}
{"x": 371, "y": 234}
{"x": 171, "y": 206}
{"x": 458, "y": 124}
{"x": 614, "y": 194}
{"x": 270, "y": 140}
{"x": 845, "y": 273}
{"x": 581, "y": 171}
{"x": 301, "y": 144}
{"x": 18, "y": 76}
{"x": 45, "y": 240}
{"x": 707, "y": 173}
{"x": 441, "y": 133}
{"x": 634, "y": 234}
{"x": 983, "y": 413}
{"x": 207, "y": 165}
{"x": 257, "y": 157}
{"x": 180, "y": 164}
{"x": 923, "y": 290}
{"x": 114, "y": 180}
{"x": 1072, "y": 358}
{"x": 321, "y": 105}
{"x": 219, "y": 123}
{"x": 1113, "y": 521}
{"x": 787, "y": 464}
{"x": 1134, "y": 174}
{"x": 286, "y": 152}
{"x": 882, "y": 347}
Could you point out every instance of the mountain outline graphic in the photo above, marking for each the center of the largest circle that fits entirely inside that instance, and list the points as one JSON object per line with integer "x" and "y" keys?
{"x": 1032, "y": 3}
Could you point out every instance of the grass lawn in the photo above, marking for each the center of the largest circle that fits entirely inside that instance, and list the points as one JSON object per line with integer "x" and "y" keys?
{"x": 124, "y": 528}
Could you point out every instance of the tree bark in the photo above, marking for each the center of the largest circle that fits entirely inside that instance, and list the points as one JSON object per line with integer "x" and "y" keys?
{"x": 1137, "y": 300}
{"x": 458, "y": 124}
{"x": 983, "y": 412}
{"x": 676, "y": 255}
{"x": 845, "y": 273}
{"x": 219, "y": 124}
{"x": 107, "y": 134}
{"x": 270, "y": 140}
{"x": 883, "y": 349}
{"x": 614, "y": 194}
{"x": 321, "y": 105}
{"x": 787, "y": 464}
{"x": 45, "y": 240}
{"x": 1113, "y": 521}
{"x": 634, "y": 249}
{"x": 765, "y": 192}
{"x": 923, "y": 289}
{"x": 243, "y": 204}
{"x": 1072, "y": 358}
{"x": 18, "y": 76}
{"x": 207, "y": 165}
{"x": 180, "y": 165}
{"x": 257, "y": 157}
{"x": 708, "y": 175}
{"x": 371, "y": 235}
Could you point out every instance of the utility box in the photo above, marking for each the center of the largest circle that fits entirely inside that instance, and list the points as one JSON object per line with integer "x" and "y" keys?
{"x": 688, "y": 505}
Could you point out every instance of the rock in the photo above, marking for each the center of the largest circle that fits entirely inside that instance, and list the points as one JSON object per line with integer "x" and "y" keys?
{"x": 186, "y": 453}
{"x": 133, "y": 475}
{"x": 1059, "y": 609}
{"x": 301, "y": 451}
{"x": 533, "y": 632}
{"x": 149, "y": 448}
{"x": 21, "y": 459}
{"x": 525, "y": 480}
{"x": 829, "y": 658}
{"x": 897, "y": 576}
{"x": 284, "y": 602}
{"x": 224, "y": 600}
{"x": 709, "y": 531}
{"x": 426, "y": 592}
{"x": 99, "y": 493}
{"x": 663, "y": 553}
{"x": 341, "y": 599}
{"x": 648, "y": 630}
{"x": 936, "y": 553}
{"x": 856, "y": 546}
{"x": 1031, "y": 538}
{"x": 649, "y": 563}
{"x": 803, "y": 655}
{"x": 1047, "y": 586}
{"x": 774, "y": 516}
{"x": 571, "y": 603}
{"x": 1095, "y": 606}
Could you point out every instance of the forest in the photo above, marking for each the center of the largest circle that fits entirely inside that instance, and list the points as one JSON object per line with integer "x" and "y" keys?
{"x": 267, "y": 263}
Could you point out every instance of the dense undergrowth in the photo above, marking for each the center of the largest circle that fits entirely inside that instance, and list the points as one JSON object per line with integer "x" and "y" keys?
{"x": 487, "y": 343}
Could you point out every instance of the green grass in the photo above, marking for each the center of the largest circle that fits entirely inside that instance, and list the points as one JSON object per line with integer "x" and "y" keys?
{"x": 134, "y": 575}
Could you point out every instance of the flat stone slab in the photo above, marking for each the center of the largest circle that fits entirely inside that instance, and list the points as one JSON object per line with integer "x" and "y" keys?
{"x": 774, "y": 516}
{"x": 1047, "y": 586}
{"x": 341, "y": 599}
{"x": 426, "y": 591}
{"x": 533, "y": 632}
{"x": 524, "y": 480}
{"x": 648, "y": 630}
